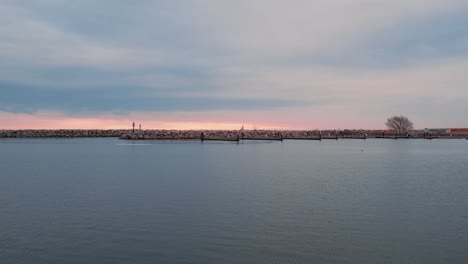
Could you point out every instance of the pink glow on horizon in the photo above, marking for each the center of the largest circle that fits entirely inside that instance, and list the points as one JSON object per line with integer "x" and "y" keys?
{"x": 59, "y": 121}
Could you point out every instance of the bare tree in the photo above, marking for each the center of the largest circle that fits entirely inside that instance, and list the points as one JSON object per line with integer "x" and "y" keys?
{"x": 399, "y": 124}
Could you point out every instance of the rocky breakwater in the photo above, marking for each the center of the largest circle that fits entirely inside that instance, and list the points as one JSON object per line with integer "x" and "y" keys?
{"x": 161, "y": 134}
{"x": 217, "y": 134}
{"x": 179, "y": 134}
{"x": 60, "y": 133}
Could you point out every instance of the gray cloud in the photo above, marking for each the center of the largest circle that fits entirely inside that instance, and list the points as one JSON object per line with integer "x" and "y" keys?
{"x": 100, "y": 56}
{"x": 119, "y": 100}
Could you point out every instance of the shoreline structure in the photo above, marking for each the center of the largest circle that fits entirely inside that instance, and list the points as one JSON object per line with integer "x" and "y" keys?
{"x": 236, "y": 135}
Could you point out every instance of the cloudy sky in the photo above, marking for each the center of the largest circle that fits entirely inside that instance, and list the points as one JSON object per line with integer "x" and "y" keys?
{"x": 223, "y": 63}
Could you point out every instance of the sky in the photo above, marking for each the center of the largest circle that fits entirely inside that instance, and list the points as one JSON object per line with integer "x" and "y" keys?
{"x": 201, "y": 64}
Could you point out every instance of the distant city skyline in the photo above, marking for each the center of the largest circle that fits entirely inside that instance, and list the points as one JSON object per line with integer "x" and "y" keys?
{"x": 220, "y": 64}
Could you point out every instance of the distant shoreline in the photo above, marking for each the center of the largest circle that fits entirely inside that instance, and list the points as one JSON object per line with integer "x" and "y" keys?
{"x": 232, "y": 135}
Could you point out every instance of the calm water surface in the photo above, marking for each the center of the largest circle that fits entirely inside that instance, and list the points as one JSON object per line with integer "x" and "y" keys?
{"x": 348, "y": 201}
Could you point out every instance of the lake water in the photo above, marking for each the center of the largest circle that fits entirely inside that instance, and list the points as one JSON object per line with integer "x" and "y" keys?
{"x": 347, "y": 201}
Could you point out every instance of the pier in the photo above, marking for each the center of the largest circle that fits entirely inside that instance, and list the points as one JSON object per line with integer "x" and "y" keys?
{"x": 229, "y": 139}
{"x": 264, "y": 139}
{"x": 329, "y": 138}
{"x": 395, "y": 137}
{"x": 355, "y": 137}
{"x": 221, "y": 139}
{"x": 302, "y": 138}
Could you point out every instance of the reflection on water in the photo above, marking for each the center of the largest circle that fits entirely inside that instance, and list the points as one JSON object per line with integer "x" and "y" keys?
{"x": 346, "y": 201}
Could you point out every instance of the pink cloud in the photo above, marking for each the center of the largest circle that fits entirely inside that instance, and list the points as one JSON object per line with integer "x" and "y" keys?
{"x": 50, "y": 120}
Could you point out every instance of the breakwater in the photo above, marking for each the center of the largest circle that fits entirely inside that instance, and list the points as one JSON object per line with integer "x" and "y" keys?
{"x": 230, "y": 135}
{"x": 60, "y": 133}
